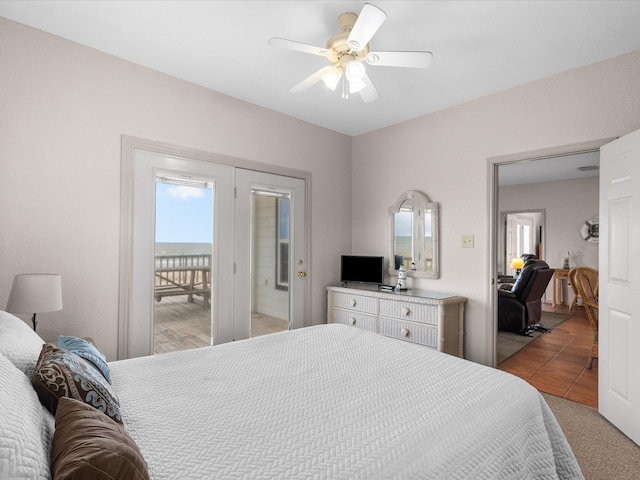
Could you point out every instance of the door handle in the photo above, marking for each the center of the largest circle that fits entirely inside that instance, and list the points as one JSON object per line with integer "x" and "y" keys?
{"x": 302, "y": 274}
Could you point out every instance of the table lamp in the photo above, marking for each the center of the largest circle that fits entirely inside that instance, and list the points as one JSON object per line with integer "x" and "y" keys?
{"x": 517, "y": 263}
{"x": 35, "y": 293}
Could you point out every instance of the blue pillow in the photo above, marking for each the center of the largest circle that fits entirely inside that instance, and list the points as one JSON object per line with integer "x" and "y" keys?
{"x": 85, "y": 349}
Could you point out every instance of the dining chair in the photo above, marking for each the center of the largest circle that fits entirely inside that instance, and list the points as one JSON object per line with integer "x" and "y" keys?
{"x": 572, "y": 283}
{"x": 586, "y": 281}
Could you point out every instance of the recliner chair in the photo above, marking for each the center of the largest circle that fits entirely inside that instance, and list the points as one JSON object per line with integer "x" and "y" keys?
{"x": 520, "y": 307}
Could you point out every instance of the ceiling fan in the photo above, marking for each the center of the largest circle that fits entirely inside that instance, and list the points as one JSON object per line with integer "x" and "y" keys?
{"x": 348, "y": 50}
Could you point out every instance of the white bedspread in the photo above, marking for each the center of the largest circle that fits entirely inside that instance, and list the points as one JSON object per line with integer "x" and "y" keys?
{"x": 335, "y": 402}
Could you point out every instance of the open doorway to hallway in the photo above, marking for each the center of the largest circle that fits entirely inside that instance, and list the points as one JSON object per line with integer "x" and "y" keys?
{"x": 565, "y": 188}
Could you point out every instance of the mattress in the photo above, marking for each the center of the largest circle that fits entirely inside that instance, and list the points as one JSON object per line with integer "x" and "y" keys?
{"x": 333, "y": 401}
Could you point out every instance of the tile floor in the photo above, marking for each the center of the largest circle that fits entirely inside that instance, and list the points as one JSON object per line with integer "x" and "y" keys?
{"x": 555, "y": 363}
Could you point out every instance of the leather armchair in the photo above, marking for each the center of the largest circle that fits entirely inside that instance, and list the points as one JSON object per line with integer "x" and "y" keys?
{"x": 520, "y": 307}
{"x": 512, "y": 278}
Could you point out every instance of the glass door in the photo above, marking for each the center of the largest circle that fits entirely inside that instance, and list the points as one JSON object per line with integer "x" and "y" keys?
{"x": 184, "y": 210}
{"x": 270, "y": 262}
{"x": 181, "y": 255}
{"x": 270, "y": 276}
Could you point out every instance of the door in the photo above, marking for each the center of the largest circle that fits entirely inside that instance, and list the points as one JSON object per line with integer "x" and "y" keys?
{"x": 270, "y": 258}
{"x": 619, "y": 285}
{"x": 511, "y": 243}
{"x": 159, "y": 271}
{"x": 519, "y": 238}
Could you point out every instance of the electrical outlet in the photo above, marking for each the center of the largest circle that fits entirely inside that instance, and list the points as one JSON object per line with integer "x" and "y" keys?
{"x": 467, "y": 241}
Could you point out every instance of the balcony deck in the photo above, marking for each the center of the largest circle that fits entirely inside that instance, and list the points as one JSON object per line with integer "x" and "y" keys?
{"x": 183, "y": 325}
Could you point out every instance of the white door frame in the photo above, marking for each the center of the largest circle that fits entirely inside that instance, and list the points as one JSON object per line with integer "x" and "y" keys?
{"x": 128, "y": 147}
{"x": 494, "y": 228}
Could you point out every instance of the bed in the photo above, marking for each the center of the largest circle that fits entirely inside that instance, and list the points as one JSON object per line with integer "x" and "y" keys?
{"x": 328, "y": 401}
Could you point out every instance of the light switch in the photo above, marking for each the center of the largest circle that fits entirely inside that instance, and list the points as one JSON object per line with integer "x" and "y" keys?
{"x": 467, "y": 241}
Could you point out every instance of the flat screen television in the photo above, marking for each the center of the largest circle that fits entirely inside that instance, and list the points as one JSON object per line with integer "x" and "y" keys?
{"x": 361, "y": 269}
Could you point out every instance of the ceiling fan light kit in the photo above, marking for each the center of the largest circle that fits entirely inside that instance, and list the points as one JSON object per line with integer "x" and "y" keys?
{"x": 348, "y": 50}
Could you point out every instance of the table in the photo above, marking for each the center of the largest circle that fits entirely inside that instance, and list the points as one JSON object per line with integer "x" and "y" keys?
{"x": 185, "y": 280}
{"x": 559, "y": 275}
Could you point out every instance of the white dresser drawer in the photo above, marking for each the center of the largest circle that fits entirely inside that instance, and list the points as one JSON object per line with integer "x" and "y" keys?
{"x": 359, "y": 320}
{"x": 409, "y": 311}
{"x": 357, "y": 303}
{"x": 410, "y": 332}
{"x": 432, "y": 319}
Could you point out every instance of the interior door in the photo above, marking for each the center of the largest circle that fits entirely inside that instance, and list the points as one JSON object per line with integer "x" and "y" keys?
{"x": 619, "y": 285}
{"x": 519, "y": 238}
{"x": 511, "y": 243}
{"x": 264, "y": 239}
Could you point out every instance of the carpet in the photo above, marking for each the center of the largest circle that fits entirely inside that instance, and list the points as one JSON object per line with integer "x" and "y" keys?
{"x": 509, "y": 343}
{"x": 603, "y": 452}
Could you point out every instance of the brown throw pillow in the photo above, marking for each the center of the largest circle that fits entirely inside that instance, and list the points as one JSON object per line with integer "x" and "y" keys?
{"x": 60, "y": 373}
{"x": 87, "y": 444}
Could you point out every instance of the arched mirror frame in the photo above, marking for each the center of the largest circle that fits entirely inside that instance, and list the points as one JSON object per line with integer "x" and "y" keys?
{"x": 419, "y": 199}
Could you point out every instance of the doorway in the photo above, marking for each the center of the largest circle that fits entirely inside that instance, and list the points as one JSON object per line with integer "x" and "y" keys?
{"x": 180, "y": 249}
{"x": 270, "y": 245}
{"x": 520, "y": 232}
{"x": 212, "y": 276}
{"x": 183, "y": 251}
{"x": 552, "y": 194}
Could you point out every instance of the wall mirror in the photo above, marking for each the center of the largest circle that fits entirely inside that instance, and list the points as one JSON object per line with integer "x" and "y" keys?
{"x": 413, "y": 236}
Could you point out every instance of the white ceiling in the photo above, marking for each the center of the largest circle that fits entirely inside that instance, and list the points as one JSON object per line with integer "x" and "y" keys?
{"x": 565, "y": 167}
{"x": 479, "y": 47}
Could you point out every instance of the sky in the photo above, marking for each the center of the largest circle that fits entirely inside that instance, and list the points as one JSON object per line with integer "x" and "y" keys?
{"x": 183, "y": 214}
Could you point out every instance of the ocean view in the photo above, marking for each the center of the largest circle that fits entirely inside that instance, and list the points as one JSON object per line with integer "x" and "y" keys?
{"x": 182, "y": 248}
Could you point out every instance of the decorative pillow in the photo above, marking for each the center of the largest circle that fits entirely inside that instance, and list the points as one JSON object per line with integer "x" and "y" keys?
{"x": 64, "y": 374}
{"x": 26, "y": 427}
{"x": 87, "y": 350}
{"x": 86, "y": 444}
{"x": 19, "y": 343}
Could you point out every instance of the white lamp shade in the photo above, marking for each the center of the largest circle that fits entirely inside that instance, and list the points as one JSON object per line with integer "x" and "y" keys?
{"x": 35, "y": 293}
{"x": 332, "y": 77}
{"x": 355, "y": 74}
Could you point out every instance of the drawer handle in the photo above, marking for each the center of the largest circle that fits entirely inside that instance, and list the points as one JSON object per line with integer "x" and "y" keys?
{"x": 352, "y": 321}
{"x": 405, "y": 332}
{"x": 406, "y": 311}
{"x": 353, "y": 302}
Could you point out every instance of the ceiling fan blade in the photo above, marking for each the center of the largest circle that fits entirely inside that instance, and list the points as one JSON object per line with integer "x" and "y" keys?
{"x": 366, "y": 26}
{"x": 298, "y": 46}
{"x": 311, "y": 80}
{"x": 369, "y": 92}
{"x": 400, "y": 59}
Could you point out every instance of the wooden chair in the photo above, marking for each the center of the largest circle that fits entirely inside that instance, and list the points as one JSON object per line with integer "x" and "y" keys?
{"x": 572, "y": 283}
{"x": 586, "y": 281}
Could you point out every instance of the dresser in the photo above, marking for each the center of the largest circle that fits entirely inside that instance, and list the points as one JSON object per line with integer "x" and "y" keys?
{"x": 432, "y": 319}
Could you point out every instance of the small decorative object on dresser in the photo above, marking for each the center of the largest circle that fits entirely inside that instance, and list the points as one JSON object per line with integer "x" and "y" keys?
{"x": 433, "y": 319}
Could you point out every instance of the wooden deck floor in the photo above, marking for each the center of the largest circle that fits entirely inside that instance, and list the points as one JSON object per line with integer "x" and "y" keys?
{"x": 180, "y": 325}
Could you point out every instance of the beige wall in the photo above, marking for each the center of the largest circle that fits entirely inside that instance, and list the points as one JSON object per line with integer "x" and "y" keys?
{"x": 446, "y": 154}
{"x": 568, "y": 204}
{"x": 64, "y": 108}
